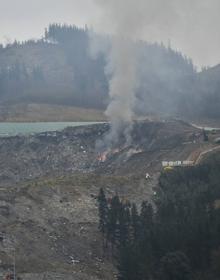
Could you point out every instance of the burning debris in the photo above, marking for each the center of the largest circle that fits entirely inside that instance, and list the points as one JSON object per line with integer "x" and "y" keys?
{"x": 103, "y": 157}
{"x": 34, "y": 156}
{"x": 121, "y": 148}
{"x": 126, "y": 153}
{"x": 106, "y": 154}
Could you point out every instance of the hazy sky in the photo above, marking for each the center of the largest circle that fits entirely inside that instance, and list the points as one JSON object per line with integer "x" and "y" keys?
{"x": 192, "y": 26}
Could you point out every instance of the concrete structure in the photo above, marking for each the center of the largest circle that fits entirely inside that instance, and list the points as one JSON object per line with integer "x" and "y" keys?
{"x": 177, "y": 163}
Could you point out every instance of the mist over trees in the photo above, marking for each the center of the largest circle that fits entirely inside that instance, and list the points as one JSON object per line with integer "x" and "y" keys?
{"x": 58, "y": 69}
{"x": 17, "y": 79}
{"x": 177, "y": 238}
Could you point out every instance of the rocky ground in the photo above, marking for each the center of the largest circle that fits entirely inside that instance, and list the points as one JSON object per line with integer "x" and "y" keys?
{"x": 49, "y": 183}
{"x": 74, "y": 150}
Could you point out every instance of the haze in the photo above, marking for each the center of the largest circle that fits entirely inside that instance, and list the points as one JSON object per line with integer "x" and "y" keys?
{"x": 190, "y": 26}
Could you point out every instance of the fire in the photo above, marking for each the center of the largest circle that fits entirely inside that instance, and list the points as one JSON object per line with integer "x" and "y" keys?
{"x": 103, "y": 156}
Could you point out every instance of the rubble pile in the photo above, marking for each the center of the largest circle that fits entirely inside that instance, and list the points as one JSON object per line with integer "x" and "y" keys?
{"x": 74, "y": 150}
{"x": 48, "y": 188}
{"x": 49, "y": 153}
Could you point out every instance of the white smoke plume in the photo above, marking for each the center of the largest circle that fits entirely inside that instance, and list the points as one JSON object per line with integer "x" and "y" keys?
{"x": 122, "y": 88}
{"x": 128, "y": 19}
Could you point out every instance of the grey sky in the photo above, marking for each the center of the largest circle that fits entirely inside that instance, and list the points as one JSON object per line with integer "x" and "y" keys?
{"x": 192, "y": 26}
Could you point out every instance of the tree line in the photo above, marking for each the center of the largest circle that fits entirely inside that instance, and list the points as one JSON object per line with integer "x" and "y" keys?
{"x": 17, "y": 79}
{"x": 168, "y": 79}
{"x": 70, "y": 72}
{"x": 176, "y": 239}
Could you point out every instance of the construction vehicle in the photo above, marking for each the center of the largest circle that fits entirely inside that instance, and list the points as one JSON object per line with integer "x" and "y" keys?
{"x": 168, "y": 168}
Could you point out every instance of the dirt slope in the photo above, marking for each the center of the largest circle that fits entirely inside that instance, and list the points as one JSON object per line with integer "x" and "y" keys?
{"x": 48, "y": 113}
{"x": 49, "y": 184}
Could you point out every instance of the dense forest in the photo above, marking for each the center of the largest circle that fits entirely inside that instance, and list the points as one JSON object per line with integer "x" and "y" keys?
{"x": 176, "y": 238}
{"x": 58, "y": 69}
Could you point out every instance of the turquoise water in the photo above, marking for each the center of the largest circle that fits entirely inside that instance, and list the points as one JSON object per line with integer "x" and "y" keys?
{"x": 13, "y": 129}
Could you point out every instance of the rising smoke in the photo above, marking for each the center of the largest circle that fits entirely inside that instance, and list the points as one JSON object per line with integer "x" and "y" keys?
{"x": 164, "y": 91}
{"x": 128, "y": 19}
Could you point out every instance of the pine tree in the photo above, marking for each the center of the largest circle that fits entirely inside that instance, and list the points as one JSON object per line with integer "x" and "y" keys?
{"x": 135, "y": 223}
{"x": 112, "y": 220}
{"x": 146, "y": 240}
{"x": 129, "y": 264}
{"x": 103, "y": 213}
{"x": 124, "y": 221}
{"x": 175, "y": 266}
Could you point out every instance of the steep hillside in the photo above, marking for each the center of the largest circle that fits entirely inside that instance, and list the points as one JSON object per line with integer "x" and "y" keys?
{"x": 207, "y": 92}
{"x": 211, "y": 73}
{"x": 49, "y": 186}
{"x": 59, "y": 70}
{"x": 74, "y": 150}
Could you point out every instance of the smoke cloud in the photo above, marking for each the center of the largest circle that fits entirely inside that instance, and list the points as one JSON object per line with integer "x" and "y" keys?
{"x": 128, "y": 19}
{"x": 181, "y": 22}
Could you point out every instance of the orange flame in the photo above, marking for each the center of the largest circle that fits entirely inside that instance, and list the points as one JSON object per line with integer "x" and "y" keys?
{"x": 103, "y": 157}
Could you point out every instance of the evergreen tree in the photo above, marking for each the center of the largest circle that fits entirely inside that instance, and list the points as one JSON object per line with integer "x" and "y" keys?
{"x": 128, "y": 264}
{"x": 135, "y": 223}
{"x": 112, "y": 224}
{"x": 103, "y": 213}
{"x": 124, "y": 220}
{"x": 178, "y": 241}
{"x": 175, "y": 266}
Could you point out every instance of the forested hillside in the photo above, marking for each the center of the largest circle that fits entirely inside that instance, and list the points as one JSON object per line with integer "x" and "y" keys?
{"x": 178, "y": 237}
{"x": 43, "y": 71}
{"x": 58, "y": 69}
{"x": 207, "y": 87}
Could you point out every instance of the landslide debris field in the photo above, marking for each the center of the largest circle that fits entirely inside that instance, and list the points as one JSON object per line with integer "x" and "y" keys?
{"x": 49, "y": 183}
